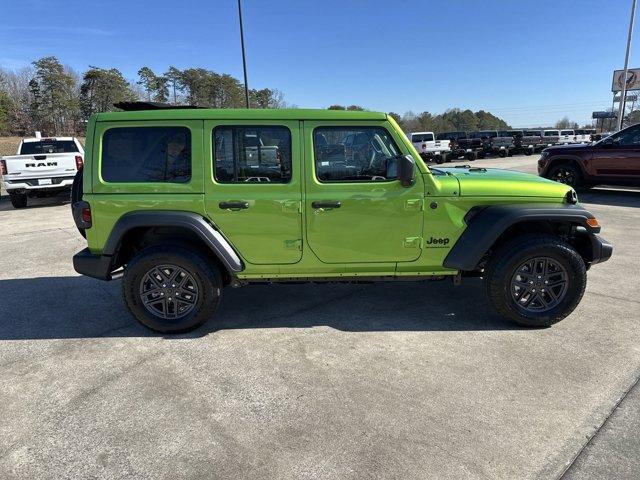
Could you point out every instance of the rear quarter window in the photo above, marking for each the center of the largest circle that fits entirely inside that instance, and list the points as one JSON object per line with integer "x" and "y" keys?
{"x": 146, "y": 154}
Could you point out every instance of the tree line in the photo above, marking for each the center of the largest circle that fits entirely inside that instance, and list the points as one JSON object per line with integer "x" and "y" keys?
{"x": 454, "y": 119}
{"x": 56, "y": 100}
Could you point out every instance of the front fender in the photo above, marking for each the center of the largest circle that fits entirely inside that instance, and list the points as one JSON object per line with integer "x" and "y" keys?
{"x": 486, "y": 225}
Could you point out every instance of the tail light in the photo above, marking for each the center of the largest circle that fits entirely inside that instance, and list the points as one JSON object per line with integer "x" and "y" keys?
{"x": 82, "y": 214}
{"x": 3, "y": 167}
{"x": 79, "y": 162}
{"x": 86, "y": 215}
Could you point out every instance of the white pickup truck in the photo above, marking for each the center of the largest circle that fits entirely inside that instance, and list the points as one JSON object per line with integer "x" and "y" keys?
{"x": 430, "y": 148}
{"x": 42, "y": 167}
{"x": 566, "y": 137}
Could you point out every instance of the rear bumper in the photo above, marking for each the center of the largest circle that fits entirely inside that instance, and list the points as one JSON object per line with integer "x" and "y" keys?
{"x": 96, "y": 266}
{"x": 33, "y": 184}
{"x": 601, "y": 249}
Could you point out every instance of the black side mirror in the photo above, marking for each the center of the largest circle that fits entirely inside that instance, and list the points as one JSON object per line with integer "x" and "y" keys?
{"x": 608, "y": 142}
{"x": 406, "y": 169}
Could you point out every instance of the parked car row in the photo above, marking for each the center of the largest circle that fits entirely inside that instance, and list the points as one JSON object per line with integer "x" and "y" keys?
{"x": 447, "y": 146}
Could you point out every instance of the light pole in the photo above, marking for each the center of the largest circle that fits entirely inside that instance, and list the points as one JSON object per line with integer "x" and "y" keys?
{"x": 623, "y": 93}
{"x": 244, "y": 60}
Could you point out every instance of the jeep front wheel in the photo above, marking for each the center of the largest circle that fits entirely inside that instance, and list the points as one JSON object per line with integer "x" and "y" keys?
{"x": 535, "y": 280}
{"x": 170, "y": 289}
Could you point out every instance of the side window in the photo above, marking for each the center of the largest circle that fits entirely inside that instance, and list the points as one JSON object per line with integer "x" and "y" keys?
{"x": 629, "y": 137}
{"x": 252, "y": 154}
{"x": 146, "y": 154}
{"x": 371, "y": 155}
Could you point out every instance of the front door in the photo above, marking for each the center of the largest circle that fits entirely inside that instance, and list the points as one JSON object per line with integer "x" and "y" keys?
{"x": 619, "y": 160}
{"x": 253, "y": 188}
{"x": 356, "y": 210}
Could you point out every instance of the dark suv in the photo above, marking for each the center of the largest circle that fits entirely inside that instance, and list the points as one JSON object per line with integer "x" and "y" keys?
{"x": 614, "y": 160}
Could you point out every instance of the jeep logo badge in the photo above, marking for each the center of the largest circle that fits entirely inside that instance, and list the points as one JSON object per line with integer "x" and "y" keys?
{"x": 437, "y": 241}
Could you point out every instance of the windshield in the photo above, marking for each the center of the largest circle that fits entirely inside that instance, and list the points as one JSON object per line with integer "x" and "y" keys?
{"x": 566, "y": 132}
{"x": 551, "y": 133}
{"x": 48, "y": 146}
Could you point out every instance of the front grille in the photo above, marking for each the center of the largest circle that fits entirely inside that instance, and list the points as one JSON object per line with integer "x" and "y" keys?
{"x": 33, "y": 182}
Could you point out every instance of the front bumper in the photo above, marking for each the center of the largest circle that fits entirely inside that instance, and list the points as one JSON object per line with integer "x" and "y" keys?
{"x": 96, "y": 266}
{"x": 601, "y": 249}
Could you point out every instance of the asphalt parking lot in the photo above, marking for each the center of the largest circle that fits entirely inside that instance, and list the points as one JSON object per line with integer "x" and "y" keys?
{"x": 401, "y": 380}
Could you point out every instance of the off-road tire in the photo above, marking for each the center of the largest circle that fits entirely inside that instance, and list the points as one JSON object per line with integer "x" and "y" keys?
{"x": 528, "y": 152}
{"x": 471, "y": 156}
{"x": 571, "y": 175}
{"x": 204, "y": 273}
{"x": 439, "y": 159}
{"x": 18, "y": 200}
{"x": 502, "y": 153}
{"x": 502, "y": 267}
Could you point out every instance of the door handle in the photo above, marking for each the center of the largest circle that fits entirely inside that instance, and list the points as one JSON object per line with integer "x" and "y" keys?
{"x": 326, "y": 204}
{"x": 233, "y": 205}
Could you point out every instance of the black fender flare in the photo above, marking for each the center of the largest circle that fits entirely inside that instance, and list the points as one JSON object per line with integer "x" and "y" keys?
{"x": 486, "y": 224}
{"x": 211, "y": 237}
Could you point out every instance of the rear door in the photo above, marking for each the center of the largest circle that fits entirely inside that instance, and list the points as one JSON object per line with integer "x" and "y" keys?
{"x": 356, "y": 209}
{"x": 253, "y": 187}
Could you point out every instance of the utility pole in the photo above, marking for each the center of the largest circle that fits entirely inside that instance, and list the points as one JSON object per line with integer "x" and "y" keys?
{"x": 623, "y": 93}
{"x": 244, "y": 60}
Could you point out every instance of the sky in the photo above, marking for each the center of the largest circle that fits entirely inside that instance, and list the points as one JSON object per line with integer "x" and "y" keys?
{"x": 529, "y": 62}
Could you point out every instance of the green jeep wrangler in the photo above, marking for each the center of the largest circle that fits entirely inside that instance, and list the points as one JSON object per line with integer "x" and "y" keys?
{"x": 185, "y": 201}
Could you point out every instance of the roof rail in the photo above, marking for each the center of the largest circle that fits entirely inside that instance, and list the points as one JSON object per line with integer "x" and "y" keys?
{"x": 132, "y": 106}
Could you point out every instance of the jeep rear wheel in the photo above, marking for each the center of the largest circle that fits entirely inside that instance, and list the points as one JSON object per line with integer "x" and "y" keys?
{"x": 567, "y": 174}
{"x": 535, "y": 280}
{"x": 18, "y": 200}
{"x": 170, "y": 289}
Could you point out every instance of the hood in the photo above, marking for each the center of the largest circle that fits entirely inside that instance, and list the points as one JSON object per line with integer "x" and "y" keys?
{"x": 493, "y": 182}
{"x": 568, "y": 148}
